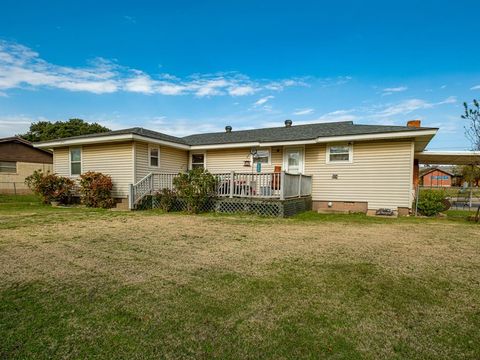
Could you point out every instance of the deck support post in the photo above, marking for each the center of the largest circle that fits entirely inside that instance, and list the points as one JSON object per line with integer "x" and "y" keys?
{"x": 130, "y": 197}
{"x": 232, "y": 183}
{"x": 282, "y": 185}
{"x": 300, "y": 185}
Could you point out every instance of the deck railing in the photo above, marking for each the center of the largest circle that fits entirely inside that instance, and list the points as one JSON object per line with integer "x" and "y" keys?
{"x": 272, "y": 185}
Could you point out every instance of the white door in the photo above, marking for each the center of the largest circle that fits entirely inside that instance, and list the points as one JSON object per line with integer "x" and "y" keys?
{"x": 293, "y": 161}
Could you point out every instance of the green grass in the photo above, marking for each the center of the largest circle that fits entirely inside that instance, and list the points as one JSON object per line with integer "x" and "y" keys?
{"x": 83, "y": 283}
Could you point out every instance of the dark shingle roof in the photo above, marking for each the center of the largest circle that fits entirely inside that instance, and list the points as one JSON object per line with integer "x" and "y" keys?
{"x": 276, "y": 134}
{"x": 136, "y": 130}
{"x": 293, "y": 133}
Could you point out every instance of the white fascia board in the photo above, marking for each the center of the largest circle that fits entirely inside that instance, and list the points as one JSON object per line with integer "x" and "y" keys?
{"x": 108, "y": 139}
{"x": 446, "y": 153}
{"x": 396, "y": 135}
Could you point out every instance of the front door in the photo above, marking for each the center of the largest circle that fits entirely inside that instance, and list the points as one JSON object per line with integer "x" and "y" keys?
{"x": 294, "y": 160}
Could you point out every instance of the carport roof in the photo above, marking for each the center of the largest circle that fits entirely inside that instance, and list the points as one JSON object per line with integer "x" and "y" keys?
{"x": 448, "y": 157}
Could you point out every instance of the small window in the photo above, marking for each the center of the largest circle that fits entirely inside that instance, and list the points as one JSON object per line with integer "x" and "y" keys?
{"x": 75, "y": 161}
{"x": 8, "y": 167}
{"x": 339, "y": 153}
{"x": 262, "y": 156}
{"x": 154, "y": 156}
{"x": 198, "y": 161}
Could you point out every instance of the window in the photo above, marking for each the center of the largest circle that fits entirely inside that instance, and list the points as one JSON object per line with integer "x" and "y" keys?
{"x": 341, "y": 153}
{"x": 75, "y": 161}
{"x": 154, "y": 156}
{"x": 262, "y": 156}
{"x": 8, "y": 167}
{"x": 198, "y": 161}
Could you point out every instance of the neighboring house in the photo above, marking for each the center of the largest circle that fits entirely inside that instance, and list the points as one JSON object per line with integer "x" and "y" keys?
{"x": 436, "y": 177}
{"x": 19, "y": 159}
{"x": 352, "y": 167}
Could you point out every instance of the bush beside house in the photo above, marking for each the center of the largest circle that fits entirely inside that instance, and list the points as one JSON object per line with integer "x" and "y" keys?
{"x": 50, "y": 187}
{"x": 96, "y": 190}
{"x": 431, "y": 202}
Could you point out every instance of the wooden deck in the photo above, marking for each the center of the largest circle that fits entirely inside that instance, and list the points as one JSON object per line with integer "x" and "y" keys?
{"x": 272, "y": 185}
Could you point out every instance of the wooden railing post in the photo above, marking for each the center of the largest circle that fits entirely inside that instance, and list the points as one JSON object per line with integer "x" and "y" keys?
{"x": 300, "y": 185}
{"x": 282, "y": 185}
{"x": 130, "y": 197}
{"x": 232, "y": 183}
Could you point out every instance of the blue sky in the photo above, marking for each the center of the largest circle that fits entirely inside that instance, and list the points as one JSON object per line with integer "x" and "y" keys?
{"x": 193, "y": 66}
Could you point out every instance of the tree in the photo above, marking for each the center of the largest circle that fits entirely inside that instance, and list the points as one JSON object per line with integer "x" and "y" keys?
{"x": 470, "y": 173}
{"x": 472, "y": 131}
{"x": 45, "y": 130}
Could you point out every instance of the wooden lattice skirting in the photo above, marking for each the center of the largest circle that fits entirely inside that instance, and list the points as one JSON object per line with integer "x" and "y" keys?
{"x": 264, "y": 207}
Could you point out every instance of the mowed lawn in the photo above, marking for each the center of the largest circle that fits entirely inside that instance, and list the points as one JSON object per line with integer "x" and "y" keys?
{"x": 79, "y": 283}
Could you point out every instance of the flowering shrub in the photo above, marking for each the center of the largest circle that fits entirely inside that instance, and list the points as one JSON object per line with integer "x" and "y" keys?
{"x": 196, "y": 187}
{"x": 166, "y": 199}
{"x": 50, "y": 187}
{"x": 96, "y": 190}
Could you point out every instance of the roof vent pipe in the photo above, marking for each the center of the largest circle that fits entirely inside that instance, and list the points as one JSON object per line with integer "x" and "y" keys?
{"x": 288, "y": 123}
{"x": 228, "y": 129}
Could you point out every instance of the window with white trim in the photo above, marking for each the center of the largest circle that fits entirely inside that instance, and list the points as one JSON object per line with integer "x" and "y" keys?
{"x": 262, "y": 156}
{"x": 339, "y": 153}
{"x": 154, "y": 155}
{"x": 8, "y": 166}
{"x": 75, "y": 161}
{"x": 198, "y": 161}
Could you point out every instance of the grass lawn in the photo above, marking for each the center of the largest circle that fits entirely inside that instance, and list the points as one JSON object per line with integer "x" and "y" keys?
{"x": 82, "y": 283}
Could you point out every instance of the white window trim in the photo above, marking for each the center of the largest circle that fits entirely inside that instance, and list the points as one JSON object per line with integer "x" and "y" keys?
{"x": 350, "y": 154}
{"x": 70, "y": 160}
{"x": 150, "y": 148}
{"x": 269, "y": 149}
{"x": 204, "y": 153}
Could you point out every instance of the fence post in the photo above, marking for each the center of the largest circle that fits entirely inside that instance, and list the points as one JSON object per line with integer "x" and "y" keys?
{"x": 14, "y": 189}
{"x": 282, "y": 185}
{"x": 130, "y": 197}
{"x": 232, "y": 183}
{"x": 416, "y": 199}
{"x": 300, "y": 185}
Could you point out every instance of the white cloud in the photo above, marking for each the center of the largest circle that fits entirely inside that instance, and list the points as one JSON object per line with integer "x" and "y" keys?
{"x": 15, "y": 124}
{"x": 241, "y": 90}
{"x": 263, "y": 100}
{"x": 20, "y": 67}
{"x": 304, "y": 111}
{"x": 408, "y": 106}
{"x": 392, "y": 90}
{"x": 476, "y": 87}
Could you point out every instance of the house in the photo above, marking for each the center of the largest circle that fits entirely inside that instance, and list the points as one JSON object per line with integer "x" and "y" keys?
{"x": 341, "y": 165}
{"x": 438, "y": 176}
{"x": 19, "y": 159}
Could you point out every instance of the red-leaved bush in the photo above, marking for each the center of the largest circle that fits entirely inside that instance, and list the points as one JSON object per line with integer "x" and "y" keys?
{"x": 50, "y": 187}
{"x": 96, "y": 190}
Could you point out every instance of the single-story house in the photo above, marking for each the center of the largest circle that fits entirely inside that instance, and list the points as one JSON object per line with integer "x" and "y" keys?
{"x": 345, "y": 166}
{"x": 438, "y": 176}
{"x": 19, "y": 159}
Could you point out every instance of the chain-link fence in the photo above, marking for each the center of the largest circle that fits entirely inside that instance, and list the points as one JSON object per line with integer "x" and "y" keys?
{"x": 14, "y": 188}
{"x": 456, "y": 198}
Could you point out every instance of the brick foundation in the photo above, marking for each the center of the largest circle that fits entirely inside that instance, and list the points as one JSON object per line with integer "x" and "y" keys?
{"x": 341, "y": 206}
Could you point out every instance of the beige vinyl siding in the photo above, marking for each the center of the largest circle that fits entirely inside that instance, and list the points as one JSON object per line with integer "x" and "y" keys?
{"x": 114, "y": 159}
{"x": 226, "y": 160}
{"x": 60, "y": 161}
{"x": 380, "y": 174}
{"x": 171, "y": 160}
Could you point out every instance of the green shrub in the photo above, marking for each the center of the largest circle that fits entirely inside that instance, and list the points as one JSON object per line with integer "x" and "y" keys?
{"x": 50, "y": 187}
{"x": 166, "y": 199}
{"x": 431, "y": 202}
{"x": 196, "y": 187}
{"x": 96, "y": 189}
